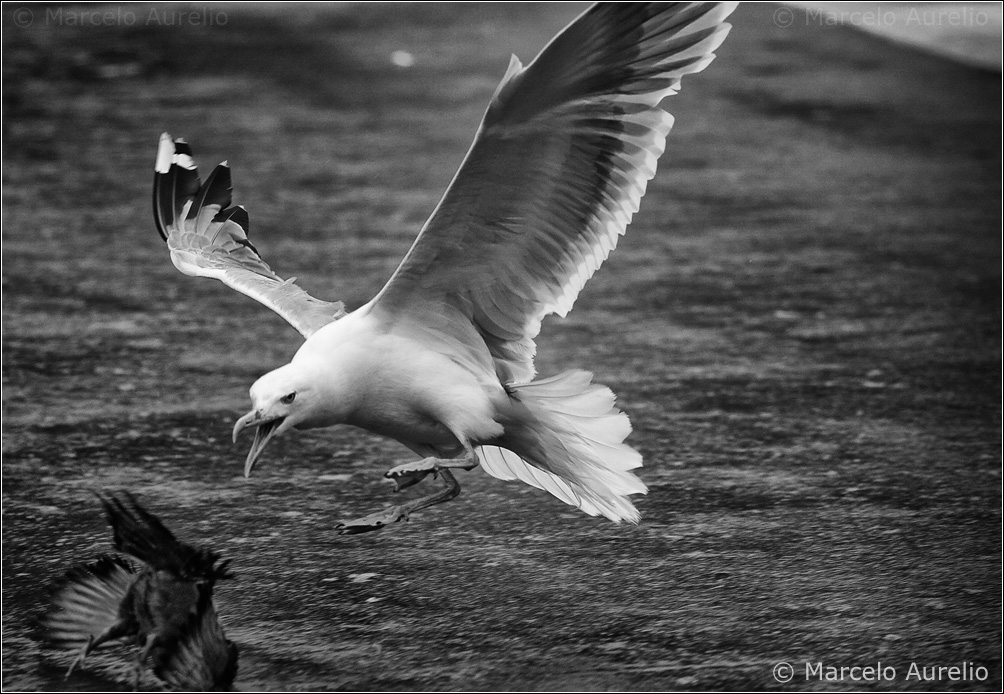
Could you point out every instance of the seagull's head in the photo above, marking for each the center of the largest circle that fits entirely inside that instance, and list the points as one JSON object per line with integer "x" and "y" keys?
{"x": 280, "y": 400}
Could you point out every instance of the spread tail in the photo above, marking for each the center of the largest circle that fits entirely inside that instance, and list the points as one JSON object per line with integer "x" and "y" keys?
{"x": 565, "y": 436}
{"x": 89, "y": 602}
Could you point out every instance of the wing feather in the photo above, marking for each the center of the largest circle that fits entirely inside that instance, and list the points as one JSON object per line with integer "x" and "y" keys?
{"x": 209, "y": 238}
{"x": 202, "y": 659}
{"x": 557, "y": 170}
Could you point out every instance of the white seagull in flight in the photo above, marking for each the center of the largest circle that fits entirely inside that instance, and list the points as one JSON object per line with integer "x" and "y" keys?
{"x": 441, "y": 359}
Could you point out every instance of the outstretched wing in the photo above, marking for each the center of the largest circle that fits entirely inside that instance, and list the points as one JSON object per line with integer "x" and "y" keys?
{"x": 140, "y": 534}
{"x": 208, "y": 237}
{"x": 557, "y": 169}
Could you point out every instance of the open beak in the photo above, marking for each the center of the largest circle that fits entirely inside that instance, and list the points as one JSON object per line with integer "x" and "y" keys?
{"x": 265, "y": 430}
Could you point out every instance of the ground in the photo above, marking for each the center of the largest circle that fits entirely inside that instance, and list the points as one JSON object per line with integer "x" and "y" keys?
{"x": 803, "y": 323}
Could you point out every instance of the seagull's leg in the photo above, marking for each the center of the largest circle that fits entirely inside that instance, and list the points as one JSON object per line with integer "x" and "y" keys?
{"x": 376, "y": 521}
{"x": 408, "y": 474}
{"x": 436, "y": 466}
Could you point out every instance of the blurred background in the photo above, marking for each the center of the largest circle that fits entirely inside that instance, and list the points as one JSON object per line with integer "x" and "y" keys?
{"x": 803, "y": 323}
{"x": 966, "y": 32}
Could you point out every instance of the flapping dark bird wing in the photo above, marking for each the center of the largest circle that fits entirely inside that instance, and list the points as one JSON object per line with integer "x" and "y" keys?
{"x": 140, "y": 534}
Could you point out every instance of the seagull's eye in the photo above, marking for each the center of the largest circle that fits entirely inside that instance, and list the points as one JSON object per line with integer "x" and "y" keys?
{"x": 287, "y": 399}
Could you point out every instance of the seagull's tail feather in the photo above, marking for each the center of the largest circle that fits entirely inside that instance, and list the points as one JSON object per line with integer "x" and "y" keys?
{"x": 566, "y": 436}
{"x": 89, "y": 602}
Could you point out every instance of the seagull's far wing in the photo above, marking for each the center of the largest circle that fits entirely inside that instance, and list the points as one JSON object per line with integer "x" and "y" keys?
{"x": 209, "y": 238}
{"x": 557, "y": 169}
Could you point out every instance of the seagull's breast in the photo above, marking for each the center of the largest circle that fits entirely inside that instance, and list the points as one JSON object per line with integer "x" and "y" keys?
{"x": 397, "y": 386}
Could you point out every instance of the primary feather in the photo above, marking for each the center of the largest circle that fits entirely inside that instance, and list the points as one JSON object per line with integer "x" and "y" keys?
{"x": 209, "y": 238}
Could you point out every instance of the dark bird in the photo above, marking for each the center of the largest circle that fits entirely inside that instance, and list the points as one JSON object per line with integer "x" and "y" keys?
{"x": 202, "y": 658}
{"x": 442, "y": 359}
{"x": 165, "y": 605}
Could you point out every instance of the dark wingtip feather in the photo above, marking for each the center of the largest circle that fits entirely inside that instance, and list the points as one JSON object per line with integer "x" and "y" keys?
{"x": 140, "y": 534}
{"x": 102, "y": 567}
{"x": 238, "y": 215}
{"x": 175, "y": 182}
{"x": 217, "y": 190}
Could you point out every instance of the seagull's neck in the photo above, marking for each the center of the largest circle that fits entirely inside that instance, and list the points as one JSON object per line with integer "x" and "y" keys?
{"x": 333, "y": 363}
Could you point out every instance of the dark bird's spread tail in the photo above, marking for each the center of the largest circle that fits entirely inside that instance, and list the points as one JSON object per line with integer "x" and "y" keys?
{"x": 89, "y": 602}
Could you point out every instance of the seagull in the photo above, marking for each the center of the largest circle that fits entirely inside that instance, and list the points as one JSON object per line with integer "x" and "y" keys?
{"x": 165, "y": 605}
{"x": 442, "y": 358}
